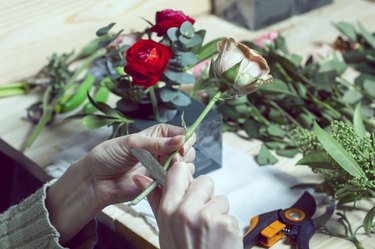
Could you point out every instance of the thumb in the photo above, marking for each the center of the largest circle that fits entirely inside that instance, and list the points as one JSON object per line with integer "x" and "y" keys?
{"x": 142, "y": 182}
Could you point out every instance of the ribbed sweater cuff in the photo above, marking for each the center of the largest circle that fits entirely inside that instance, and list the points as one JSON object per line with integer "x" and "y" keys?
{"x": 27, "y": 225}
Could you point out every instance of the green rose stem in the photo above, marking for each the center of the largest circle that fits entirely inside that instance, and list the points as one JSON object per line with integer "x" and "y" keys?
{"x": 17, "y": 88}
{"x": 46, "y": 116}
{"x": 154, "y": 103}
{"x": 48, "y": 102}
{"x": 189, "y": 133}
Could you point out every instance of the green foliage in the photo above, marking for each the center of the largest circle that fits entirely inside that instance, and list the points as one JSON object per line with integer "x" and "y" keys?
{"x": 345, "y": 157}
{"x": 302, "y": 93}
{"x": 337, "y": 174}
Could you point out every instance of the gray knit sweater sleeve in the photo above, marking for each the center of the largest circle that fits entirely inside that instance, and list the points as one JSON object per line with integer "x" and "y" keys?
{"x": 27, "y": 225}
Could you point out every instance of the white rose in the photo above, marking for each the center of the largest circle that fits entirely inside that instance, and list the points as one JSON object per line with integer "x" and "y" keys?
{"x": 240, "y": 67}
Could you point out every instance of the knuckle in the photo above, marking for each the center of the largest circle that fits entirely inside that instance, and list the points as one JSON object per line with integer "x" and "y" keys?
{"x": 166, "y": 209}
{"x": 185, "y": 216}
{"x": 130, "y": 141}
{"x": 228, "y": 223}
{"x": 206, "y": 180}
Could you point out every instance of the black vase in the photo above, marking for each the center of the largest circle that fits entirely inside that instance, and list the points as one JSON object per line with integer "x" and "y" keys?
{"x": 209, "y": 134}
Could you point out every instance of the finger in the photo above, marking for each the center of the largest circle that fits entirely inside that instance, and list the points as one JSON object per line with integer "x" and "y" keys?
{"x": 217, "y": 205}
{"x": 176, "y": 183}
{"x": 188, "y": 157}
{"x": 156, "y": 145}
{"x": 188, "y": 144}
{"x": 164, "y": 130}
{"x": 142, "y": 182}
{"x": 199, "y": 192}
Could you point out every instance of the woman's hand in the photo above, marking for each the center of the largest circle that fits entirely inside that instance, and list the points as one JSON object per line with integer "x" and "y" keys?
{"x": 189, "y": 215}
{"x": 105, "y": 176}
{"x": 112, "y": 165}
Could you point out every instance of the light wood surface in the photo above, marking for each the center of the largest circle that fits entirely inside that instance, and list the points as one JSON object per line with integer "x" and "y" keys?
{"x": 31, "y": 30}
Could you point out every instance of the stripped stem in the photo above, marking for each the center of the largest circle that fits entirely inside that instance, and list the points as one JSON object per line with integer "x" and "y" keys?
{"x": 189, "y": 133}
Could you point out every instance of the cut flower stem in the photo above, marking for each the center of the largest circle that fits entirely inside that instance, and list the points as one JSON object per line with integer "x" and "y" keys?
{"x": 189, "y": 133}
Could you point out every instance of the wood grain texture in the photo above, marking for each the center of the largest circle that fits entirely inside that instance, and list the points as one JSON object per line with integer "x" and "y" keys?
{"x": 31, "y": 30}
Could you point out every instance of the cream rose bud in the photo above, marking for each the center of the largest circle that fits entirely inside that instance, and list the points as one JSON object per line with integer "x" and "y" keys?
{"x": 240, "y": 67}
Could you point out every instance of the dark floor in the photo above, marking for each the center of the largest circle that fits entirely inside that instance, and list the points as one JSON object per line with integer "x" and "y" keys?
{"x": 16, "y": 184}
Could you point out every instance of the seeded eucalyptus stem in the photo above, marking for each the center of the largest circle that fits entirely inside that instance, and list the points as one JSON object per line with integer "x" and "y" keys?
{"x": 189, "y": 133}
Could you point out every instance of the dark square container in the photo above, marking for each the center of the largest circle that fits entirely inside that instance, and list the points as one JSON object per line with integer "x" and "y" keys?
{"x": 303, "y": 6}
{"x": 254, "y": 14}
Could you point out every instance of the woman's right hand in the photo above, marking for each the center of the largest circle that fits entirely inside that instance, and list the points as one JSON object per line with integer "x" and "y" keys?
{"x": 189, "y": 216}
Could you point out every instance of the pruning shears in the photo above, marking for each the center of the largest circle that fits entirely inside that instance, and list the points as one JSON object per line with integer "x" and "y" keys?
{"x": 295, "y": 222}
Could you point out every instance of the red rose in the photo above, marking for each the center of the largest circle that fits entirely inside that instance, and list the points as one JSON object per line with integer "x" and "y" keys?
{"x": 167, "y": 19}
{"x": 146, "y": 62}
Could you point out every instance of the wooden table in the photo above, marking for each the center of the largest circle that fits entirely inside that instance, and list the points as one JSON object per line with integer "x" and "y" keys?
{"x": 31, "y": 30}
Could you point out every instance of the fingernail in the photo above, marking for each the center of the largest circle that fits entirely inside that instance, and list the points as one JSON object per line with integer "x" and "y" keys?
{"x": 142, "y": 181}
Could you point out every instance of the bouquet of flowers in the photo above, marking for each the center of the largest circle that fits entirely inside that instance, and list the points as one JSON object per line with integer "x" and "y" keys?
{"x": 146, "y": 72}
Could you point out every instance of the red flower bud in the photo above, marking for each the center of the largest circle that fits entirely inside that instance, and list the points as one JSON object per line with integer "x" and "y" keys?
{"x": 167, "y": 19}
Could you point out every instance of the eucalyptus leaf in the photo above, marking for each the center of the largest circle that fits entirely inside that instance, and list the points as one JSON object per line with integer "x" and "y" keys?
{"x": 276, "y": 130}
{"x": 278, "y": 86}
{"x": 355, "y": 57}
{"x": 287, "y": 152}
{"x": 351, "y": 97}
{"x": 96, "y": 121}
{"x": 187, "y": 29}
{"x": 172, "y": 34}
{"x": 337, "y": 152}
{"x": 265, "y": 157}
{"x": 332, "y": 63}
{"x": 186, "y": 59}
{"x": 369, "y": 38}
{"x": 181, "y": 99}
{"x": 368, "y": 221}
{"x": 228, "y": 111}
{"x": 358, "y": 121}
{"x": 166, "y": 113}
{"x": 369, "y": 87}
{"x": 347, "y": 29}
{"x": 179, "y": 77}
{"x": 251, "y": 128}
{"x": 326, "y": 80}
{"x": 190, "y": 42}
{"x": 275, "y": 145}
{"x": 167, "y": 94}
